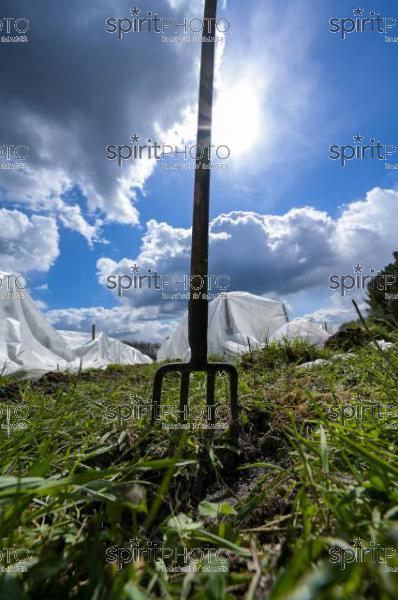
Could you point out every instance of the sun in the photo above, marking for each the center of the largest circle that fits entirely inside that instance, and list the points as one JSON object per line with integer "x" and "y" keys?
{"x": 237, "y": 118}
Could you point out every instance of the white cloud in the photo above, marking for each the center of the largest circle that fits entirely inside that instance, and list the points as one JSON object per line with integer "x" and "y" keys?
{"x": 369, "y": 227}
{"x": 27, "y": 244}
{"x": 140, "y": 324}
{"x": 178, "y": 3}
{"x": 290, "y": 256}
{"x": 42, "y": 305}
{"x": 339, "y": 311}
{"x": 72, "y": 218}
{"x": 68, "y": 132}
{"x": 68, "y": 127}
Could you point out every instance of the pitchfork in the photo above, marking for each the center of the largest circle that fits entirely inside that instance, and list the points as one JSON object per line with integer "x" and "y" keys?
{"x": 198, "y": 302}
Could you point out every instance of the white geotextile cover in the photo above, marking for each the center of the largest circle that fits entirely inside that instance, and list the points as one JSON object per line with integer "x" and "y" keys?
{"x": 101, "y": 352}
{"x": 29, "y": 343}
{"x": 238, "y": 321}
{"x": 301, "y": 329}
{"x": 74, "y": 339}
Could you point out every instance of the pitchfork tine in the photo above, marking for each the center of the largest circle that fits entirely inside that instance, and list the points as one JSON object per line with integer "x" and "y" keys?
{"x": 211, "y": 381}
{"x": 184, "y": 391}
{"x": 157, "y": 394}
{"x": 233, "y": 390}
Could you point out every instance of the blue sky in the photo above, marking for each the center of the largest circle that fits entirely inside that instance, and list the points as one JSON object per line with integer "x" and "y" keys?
{"x": 287, "y": 89}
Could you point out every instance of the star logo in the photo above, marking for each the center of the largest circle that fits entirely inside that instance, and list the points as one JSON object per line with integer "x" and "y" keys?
{"x": 135, "y": 269}
{"x": 358, "y": 542}
{"x": 135, "y": 138}
{"x": 135, "y": 12}
{"x": 358, "y": 268}
{"x": 358, "y": 139}
{"x": 358, "y": 11}
{"x": 135, "y": 542}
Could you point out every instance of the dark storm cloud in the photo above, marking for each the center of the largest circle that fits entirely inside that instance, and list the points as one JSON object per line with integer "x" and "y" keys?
{"x": 73, "y": 88}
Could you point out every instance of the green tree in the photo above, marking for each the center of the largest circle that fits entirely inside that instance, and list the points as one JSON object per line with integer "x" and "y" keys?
{"x": 382, "y": 290}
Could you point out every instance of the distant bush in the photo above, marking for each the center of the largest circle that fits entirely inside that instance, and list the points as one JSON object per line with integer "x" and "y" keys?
{"x": 348, "y": 338}
{"x": 383, "y": 294}
{"x": 144, "y": 347}
{"x": 288, "y": 352}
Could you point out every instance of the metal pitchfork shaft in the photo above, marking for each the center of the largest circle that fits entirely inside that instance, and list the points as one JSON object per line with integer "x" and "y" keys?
{"x": 198, "y": 301}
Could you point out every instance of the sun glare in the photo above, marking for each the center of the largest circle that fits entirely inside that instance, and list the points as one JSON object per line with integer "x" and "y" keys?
{"x": 237, "y": 120}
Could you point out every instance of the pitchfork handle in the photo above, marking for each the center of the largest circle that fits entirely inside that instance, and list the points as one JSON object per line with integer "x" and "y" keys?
{"x": 198, "y": 306}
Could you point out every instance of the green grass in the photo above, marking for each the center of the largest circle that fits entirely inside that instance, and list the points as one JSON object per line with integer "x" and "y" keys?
{"x": 296, "y": 508}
